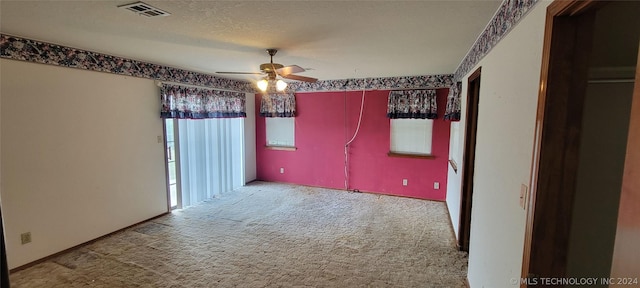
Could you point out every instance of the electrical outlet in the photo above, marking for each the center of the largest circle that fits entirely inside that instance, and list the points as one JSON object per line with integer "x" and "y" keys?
{"x": 25, "y": 238}
{"x": 159, "y": 139}
{"x": 405, "y": 182}
{"x": 436, "y": 185}
{"x": 523, "y": 196}
{"x": 281, "y": 170}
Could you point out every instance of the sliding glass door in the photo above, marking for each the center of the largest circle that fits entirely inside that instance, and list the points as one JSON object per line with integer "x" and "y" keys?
{"x": 172, "y": 169}
{"x": 205, "y": 158}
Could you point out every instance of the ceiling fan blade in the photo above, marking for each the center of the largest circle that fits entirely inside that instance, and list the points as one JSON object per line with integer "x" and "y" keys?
{"x": 248, "y": 73}
{"x": 299, "y": 78}
{"x": 286, "y": 70}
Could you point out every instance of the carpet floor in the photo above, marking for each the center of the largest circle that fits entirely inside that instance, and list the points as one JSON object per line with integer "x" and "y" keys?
{"x": 271, "y": 235}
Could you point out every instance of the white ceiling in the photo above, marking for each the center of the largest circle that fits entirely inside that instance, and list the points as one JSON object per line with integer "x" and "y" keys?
{"x": 337, "y": 39}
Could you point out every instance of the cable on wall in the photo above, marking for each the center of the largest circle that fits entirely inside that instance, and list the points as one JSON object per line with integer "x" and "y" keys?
{"x": 355, "y": 134}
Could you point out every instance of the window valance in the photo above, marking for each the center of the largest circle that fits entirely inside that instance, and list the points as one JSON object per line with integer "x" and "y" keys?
{"x": 412, "y": 104}
{"x": 278, "y": 105}
{"x": 195, "y": 103}
{"x": 453, "y": 103}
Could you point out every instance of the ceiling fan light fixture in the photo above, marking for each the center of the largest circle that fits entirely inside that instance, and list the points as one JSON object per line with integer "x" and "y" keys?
{"x": 263, "y": 84}
{"x": 281, "y": 85}
{"x": 273, "y": 71}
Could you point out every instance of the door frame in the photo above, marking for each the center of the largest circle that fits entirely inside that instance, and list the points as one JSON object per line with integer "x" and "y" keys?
{"x": 563, "y": 79}
{"x": 176, "y": 144}
{"x": 471, "y": 131}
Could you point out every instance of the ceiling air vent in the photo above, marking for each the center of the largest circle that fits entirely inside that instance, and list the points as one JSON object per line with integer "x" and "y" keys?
{"x": 144, "y": 9}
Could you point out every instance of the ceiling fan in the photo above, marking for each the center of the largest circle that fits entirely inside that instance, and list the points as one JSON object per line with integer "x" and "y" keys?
{"x": 273, "y": 70}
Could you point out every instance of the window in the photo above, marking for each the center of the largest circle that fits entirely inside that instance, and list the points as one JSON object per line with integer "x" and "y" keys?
{"x": 411, "y": 136}
{"x": 280, "y": 131}
{"x": 454, "y": 148}
{"x": 454, "y": 145}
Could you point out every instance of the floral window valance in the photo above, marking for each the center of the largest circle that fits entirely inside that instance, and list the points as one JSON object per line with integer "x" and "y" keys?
{"x": 453, "y": 103}
{"x": 278, "y": 105}
{"x": 414, "y": 104}
{"x": 194, "y": 103}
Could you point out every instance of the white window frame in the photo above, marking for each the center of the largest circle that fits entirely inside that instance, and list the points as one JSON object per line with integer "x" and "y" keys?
{"x": 411, "y": 136}
{"x": 280, "y": 132}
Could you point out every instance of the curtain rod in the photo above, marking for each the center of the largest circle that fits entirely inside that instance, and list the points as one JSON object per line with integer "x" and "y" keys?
{"x": 160, "y": 83}
{"x": 603, "y": 81}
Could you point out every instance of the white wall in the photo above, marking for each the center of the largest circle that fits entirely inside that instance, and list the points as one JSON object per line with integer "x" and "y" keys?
{"x": 250, "y": 173}
{"x": 80, "y": 156}
{"x": 506, "y": 120}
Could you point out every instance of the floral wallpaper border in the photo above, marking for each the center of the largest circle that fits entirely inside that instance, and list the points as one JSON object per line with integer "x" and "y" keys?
{"x": 507, "y": 16}
{"x": 17, "y": 48}
{"x": 383, "y": 83}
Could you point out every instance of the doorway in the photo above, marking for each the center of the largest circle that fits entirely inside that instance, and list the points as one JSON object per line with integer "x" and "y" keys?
{"x": 473, "y": 97}
{"x": 576, "y": 180}
{"x": 204, "y": 158}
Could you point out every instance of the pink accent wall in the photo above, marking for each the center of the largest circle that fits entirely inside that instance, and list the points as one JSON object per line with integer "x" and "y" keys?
{"x": 321, "y": 130}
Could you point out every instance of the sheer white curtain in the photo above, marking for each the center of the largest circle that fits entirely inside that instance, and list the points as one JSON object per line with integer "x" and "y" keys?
{"x": 211, "y": 153}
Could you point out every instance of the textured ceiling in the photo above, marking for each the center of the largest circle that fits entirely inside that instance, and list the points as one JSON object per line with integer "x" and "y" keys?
{"x": 336, "y": 39}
